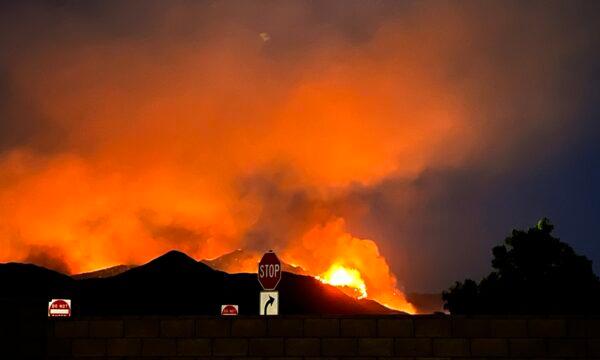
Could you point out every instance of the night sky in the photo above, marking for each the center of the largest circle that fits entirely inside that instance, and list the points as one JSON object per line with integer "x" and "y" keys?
{"x": 432, "y": 128}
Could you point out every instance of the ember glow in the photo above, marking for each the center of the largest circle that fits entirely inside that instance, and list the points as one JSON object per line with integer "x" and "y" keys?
{"x": 338, "y": 275}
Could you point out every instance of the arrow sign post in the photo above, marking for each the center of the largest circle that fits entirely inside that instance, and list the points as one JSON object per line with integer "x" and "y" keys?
{"x": 269, "y": 303}
{"x": 269, "y": 271}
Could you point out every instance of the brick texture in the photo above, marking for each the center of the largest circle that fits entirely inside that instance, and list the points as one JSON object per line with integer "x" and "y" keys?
{"x": 89, "y": 347}
{"x": 249, "y": 327}
{"x": 547, "y": 328}
{"x": 395, "y": 327}
{"x": 159, "y": 347}
{"x": 230, "y": 347}
{"x": 266, "y": 347}
{"x": 466, "y": 327}
{"x": 322, "y": 327}
{"x": 375, "y": 347}
{"x": 140, "y": 328}
{"x": 124, "y": 347}
{"x": 527, "y": 347}
{"x": 285, "y": 327}
{"x": 177, "y": 328}
{"x": 450, "y": 347}
{"x": 432, "y": 327}
{"x": 433, "y": 337}
{"x": 508, "y": 328}
{"x": 339, "y": 347}
{"x": 193, "y": 347}
{"x": 359, "y": 328}
{"x": 212, "y": 327}
{"x": 303, "y": 347}
{"x": 106, "y": 328}
{"x": 489, "y": 347}
{"x": 71, "y": 329}
{"x": 413, "y": 347}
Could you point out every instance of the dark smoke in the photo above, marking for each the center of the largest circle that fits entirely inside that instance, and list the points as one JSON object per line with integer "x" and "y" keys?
{"x": 48, "y": 257}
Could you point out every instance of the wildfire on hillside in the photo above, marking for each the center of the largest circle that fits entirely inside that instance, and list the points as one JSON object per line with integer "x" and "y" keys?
{"x": 345, "y": 278}
{"x": 204, "y": 135}
{"x": 353, "y": 265}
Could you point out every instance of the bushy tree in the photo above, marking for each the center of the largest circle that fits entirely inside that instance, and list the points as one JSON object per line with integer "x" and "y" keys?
{"x": 534, "y": 273}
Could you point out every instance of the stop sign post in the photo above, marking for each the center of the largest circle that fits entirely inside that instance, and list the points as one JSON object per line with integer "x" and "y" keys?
{"x": 269, "y": 271}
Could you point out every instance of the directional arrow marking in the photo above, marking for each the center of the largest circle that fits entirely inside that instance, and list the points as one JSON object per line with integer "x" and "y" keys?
{"x": 269, "y": 303}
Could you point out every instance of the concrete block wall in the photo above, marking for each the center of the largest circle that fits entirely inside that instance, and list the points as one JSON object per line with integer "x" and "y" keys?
{"x": 305, "y": 338}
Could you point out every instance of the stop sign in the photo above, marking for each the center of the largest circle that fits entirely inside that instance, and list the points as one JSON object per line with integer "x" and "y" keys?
{"x": 269, "y": 271}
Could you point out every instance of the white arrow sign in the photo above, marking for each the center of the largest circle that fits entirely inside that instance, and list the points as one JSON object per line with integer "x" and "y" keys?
{"x": 269, "y": 303}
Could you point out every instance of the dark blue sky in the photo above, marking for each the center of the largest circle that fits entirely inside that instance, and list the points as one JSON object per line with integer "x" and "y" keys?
{"x": 471, "y": 210}
{"x": 565, "y": 189}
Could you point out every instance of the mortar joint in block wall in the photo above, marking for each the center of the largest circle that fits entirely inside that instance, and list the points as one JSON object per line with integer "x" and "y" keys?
{"x": 314, "y": 337}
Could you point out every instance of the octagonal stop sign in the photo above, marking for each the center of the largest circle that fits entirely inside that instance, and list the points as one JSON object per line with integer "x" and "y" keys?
{"x": 269, "y": 271}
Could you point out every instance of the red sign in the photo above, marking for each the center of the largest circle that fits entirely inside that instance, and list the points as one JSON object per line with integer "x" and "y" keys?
{"x": 269, "y": 271}
{"x": 59, "y": 308}
{"x": 229, "y": 310}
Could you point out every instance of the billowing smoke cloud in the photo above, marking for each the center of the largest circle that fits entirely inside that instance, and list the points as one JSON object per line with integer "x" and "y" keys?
{"x": 128, "y": 129}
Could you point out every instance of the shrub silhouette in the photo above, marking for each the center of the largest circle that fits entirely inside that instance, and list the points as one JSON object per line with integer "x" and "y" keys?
{"x": 535, "y": 273}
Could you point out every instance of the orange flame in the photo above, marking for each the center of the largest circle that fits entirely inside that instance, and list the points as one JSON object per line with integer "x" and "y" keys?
{"x": 332, "y": 254}
{"x": 335, "y": 257}
{"x": 154, "y": 149}
{"x": 343, "y": 277}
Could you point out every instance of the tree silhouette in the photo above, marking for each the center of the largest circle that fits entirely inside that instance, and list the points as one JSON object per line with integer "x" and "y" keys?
{"x": 535, "y": 273}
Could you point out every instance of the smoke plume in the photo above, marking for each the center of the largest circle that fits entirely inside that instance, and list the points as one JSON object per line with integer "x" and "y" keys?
{"x": 327, "y": 131}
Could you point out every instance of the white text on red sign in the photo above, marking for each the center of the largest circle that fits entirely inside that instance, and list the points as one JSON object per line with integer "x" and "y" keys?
{"x": 271, "y": 271}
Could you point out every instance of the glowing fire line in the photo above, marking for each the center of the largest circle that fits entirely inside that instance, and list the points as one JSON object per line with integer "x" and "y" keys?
{"x": 340, "y": 276}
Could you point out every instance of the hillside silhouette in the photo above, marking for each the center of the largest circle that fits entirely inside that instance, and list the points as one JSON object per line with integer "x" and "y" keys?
{"x": 534, "y": 273}
{"x": 174, "y": 284}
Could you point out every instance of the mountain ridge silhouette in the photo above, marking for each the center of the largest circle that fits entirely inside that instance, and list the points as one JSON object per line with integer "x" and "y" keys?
{"x": 175, "y": 284}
